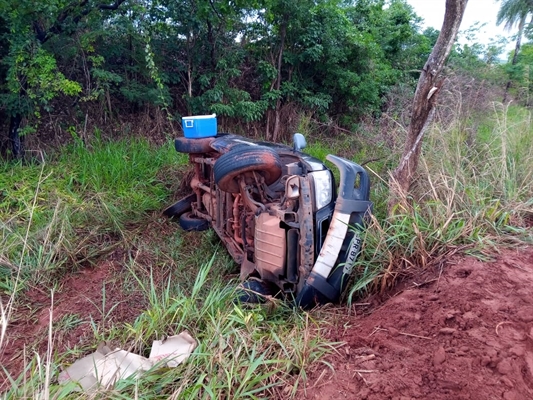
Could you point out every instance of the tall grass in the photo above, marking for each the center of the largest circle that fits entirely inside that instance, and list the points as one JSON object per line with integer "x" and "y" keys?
{"x": 473, "y": 192}
{"x": 243, "y": 351}
{"x": 61, "y": 214}
{"x": 75, "y": 206}
{"x": 486, "y": 177}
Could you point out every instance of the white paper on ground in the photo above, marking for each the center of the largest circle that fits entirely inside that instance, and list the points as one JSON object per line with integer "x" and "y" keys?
{"x": 174, "y": 349}
{"x": 104, "y": 367}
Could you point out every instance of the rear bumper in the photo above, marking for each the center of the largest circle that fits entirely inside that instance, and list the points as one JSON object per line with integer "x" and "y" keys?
{"x": 342, "y": 245}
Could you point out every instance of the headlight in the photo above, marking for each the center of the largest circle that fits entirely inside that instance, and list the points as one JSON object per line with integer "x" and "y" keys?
{"x": 323, "y": 191}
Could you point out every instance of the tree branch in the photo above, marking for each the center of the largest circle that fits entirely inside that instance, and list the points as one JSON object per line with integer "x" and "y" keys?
{"x": 70, "y": 10}
{"x": 215, "y": 10}
{"x": 113, "y": 6}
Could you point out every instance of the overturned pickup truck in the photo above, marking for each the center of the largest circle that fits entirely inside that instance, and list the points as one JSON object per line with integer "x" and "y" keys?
{"x": 278, "y": 212}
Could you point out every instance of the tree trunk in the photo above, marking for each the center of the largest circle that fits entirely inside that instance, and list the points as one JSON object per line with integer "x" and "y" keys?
{"x": 423, "y": 104}
{"x": 16, "y": 141}
{"x": 521, "y": 26}
{"x": 267, "y": 133}
{"x": 283, "y": 34}
{"x": 277, "y": 119}
{"x": 212, "y": 44}
{"x": 190, "y": 46}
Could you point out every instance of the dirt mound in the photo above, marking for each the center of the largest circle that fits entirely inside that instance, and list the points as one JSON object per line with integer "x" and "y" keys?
{"x": 465, "y": 334}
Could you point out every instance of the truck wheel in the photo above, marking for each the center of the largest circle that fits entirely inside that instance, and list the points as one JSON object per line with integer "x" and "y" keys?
{"x": 180, "y": 207}
{"x": 255, "y": 290}
{"x": 201, "y": 145}
{"x": 190, "y": 222}
{"x": 242, "y": 159}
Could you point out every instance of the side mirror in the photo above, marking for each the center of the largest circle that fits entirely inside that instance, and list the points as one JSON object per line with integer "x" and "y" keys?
{"x": 299, "y": 142}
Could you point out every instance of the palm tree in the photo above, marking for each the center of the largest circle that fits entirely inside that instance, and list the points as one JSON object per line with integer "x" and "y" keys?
{"x": 514, "y": 12}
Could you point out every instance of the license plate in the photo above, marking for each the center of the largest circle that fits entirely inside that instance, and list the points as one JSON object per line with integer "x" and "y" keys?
{"x": 353, "y": 252}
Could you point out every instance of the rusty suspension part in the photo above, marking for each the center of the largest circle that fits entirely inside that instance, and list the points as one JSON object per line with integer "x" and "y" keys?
{"x": 253, "y": 205}
{"x": 236, "y": 220}
{"x": 196, "y": 184}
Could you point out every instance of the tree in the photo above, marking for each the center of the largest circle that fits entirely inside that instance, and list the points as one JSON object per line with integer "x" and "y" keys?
{"x": 424, "y": 102}
{"x": 258, "y": 62}
{"x": 514, "y": 12}
{"x": 332, "y": 59}
{"x": 33, "y": 78}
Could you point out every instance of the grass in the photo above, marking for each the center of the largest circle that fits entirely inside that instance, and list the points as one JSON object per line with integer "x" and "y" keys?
{"x": 76, "y": 207}
{"x": 90, "y": 203}
{"x": 243, "y": 352}
{"x": 59, "y": 216}
{"x": 472, "y": 194}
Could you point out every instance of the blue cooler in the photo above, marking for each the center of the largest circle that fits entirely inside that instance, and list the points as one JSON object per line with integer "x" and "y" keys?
{"x": 199, "y": 126}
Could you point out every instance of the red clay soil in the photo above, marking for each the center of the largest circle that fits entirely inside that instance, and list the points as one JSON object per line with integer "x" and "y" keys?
{"x": 464, "y": 334}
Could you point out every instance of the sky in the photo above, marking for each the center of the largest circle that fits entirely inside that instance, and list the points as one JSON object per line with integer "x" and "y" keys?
{"x": 484, "y": 11}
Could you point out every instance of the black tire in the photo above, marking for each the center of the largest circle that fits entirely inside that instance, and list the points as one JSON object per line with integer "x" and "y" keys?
{"x": 190, "y": 222}
{"x": 255, "y": 291}
{"x": 242, "y": 159}
{"x": 186, "y": 145}
{"x": 180, "y": 207}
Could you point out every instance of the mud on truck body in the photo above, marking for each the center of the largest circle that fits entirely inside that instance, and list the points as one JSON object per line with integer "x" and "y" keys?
{"x": 278, "y": 212}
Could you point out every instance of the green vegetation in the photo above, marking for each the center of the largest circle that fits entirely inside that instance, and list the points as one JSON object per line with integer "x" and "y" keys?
{"x": 125, "y": 72}
{"x": 242, "y": 353}
{"x": 58, "y": 214}
{"x": 472, "y": 194}
{"x": 58, "y": 217}
{"x": 258, "y": 63}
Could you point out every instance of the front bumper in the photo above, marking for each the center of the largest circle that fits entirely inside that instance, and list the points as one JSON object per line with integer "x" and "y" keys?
{"x": 342, "y": 245}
